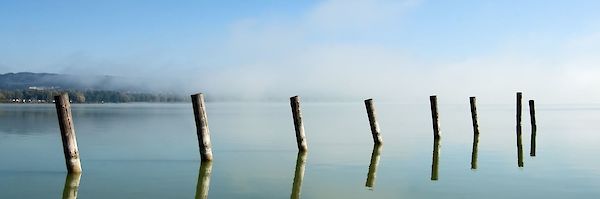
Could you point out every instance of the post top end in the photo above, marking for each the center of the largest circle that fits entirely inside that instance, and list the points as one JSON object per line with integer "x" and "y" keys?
{"x": 62, "y": 95}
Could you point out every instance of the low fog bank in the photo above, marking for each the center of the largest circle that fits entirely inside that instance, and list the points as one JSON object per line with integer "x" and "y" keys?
{"x": 345, "y": 73}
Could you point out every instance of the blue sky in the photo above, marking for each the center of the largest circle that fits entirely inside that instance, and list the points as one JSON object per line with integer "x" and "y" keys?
{"x": 333, "y": 47}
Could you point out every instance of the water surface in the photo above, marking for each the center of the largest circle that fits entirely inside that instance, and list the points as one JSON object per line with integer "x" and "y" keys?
{"x": 151, "y": 151}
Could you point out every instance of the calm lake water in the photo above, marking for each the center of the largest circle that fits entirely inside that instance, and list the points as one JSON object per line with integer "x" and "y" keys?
{"x": 151, "y": 151}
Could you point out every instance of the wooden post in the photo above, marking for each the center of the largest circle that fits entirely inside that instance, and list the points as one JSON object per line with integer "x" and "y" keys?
{"x": 373, "y": 165}
{"x": 298, "y": 125}
{"x": 373, "y": 121}
{"x": 472, "y": 101}
{"x": 298, "y": 174}
{"x": 202, "y": 127}
{"x": 203, "y": 180}
{"x": 435, "y": 159}
{"x": 533, "y": 127}
{"x": 71, "y": 186}
{"x": 519, "y": 107}
{"x": 519, "y": 140}
{"x": 67, "y": 133}
{"x": 434, "y": 116}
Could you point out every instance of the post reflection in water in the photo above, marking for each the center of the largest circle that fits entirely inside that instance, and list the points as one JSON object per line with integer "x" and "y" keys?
{"x": 435, "y": 159}
{"x": 299, "y": 174}
{"x": 203, "y": 179}
{"x": 71, "y": 185}
{"x": 519, "y": 150}
{"x": 533, "y": 141}
{"x": 474, "y": 151}
{"x": 373, "y": 165}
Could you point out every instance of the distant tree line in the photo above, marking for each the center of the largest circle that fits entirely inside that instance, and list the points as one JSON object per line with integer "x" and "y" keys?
{"x": 86, "y": 96}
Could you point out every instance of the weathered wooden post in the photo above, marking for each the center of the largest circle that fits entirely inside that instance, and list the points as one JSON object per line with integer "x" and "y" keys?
{"x": 373, "y": 121}
{"x": 472, "y": 101}
{"x": 533, "y": 127}
{"x": 298, "y": 174}
{"x": 373, "y": 165}
{"x": 519, "y": 140}
{"x": 298, "y": 125}
{"x": 519, "y": 109}
{"x": 434, "y": 116}
{"x": 71, "y": 186}
{"x": 202, "y": 127}
{"x": 435, "y": 160}
{"x": 67, "y": 133}
{"x": 203, "y": 180}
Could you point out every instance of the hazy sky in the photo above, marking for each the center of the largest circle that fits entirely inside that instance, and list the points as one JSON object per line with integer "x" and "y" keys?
{"x": 396, "y": 50}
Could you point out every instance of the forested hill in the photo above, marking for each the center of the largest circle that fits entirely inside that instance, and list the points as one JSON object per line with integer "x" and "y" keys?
{"x": 26, "y": 87}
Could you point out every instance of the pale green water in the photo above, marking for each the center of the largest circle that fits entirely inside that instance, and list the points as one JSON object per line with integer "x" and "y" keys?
{"x": 151, "y": 151}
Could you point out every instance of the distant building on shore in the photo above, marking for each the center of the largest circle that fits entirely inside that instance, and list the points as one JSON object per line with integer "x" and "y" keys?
{"x": 41, "y": 88}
